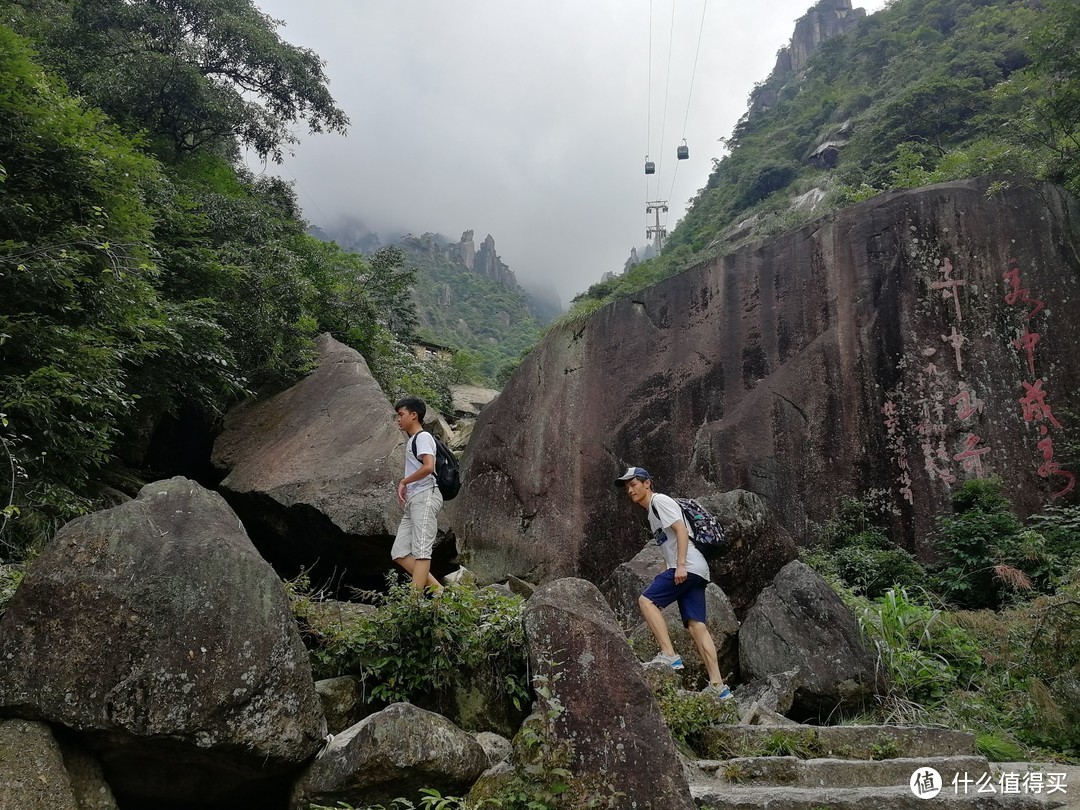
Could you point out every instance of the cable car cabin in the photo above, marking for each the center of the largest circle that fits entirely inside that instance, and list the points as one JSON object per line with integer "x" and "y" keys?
{"x": 650, "y": 167}
{"x": 683, "y": 152}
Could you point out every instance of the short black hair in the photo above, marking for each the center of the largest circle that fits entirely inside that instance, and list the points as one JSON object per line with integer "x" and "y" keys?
{"x": 413, "y": 404}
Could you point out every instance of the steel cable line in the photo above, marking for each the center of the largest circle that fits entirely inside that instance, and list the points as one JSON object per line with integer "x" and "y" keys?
{"x": 648, "y": 109}
{"x": 667, "y": 87}
{"x": 690, "y": 94}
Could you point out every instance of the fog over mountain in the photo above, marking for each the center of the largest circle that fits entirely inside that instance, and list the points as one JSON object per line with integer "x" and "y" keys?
{"x": 530, "y": 122}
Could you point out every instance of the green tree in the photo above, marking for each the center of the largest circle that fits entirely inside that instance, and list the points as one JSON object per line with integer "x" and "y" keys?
{"x": 195, "y": 74}
{"x": 973, "y": 569}
{"x": 78, "y": 305}
{"x": 1048, "y": 93}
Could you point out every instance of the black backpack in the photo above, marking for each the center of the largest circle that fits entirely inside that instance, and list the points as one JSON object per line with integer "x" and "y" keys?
{"x": 447, "y": 474}
{"x": 708, "y": 534}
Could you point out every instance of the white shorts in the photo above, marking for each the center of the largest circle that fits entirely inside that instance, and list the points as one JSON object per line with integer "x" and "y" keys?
{"x": 419, "y": 525}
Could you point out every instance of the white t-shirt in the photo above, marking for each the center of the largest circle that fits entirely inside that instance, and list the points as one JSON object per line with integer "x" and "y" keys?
{"x": 670, "y": 513}
{"x": 425, "y": 446}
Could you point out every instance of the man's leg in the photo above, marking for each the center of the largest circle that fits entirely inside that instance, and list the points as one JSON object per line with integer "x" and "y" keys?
{"x": 409, "y": 563}
{"x": 655, "y": 620}
{"x": 402, "y": 555}
{"x": 699, "y": 632}
{"x": 425, "y": 514}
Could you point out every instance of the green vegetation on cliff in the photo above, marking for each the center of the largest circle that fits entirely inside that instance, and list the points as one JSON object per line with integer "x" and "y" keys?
{"x": 921, "y": 92}
{"x": 487, "y": 323}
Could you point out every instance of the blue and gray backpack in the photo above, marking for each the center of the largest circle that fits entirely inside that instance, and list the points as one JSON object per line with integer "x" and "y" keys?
{"x": 707, "y": 533}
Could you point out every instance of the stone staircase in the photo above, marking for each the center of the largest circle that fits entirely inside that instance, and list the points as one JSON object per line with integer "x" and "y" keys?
{"x": 795, "y": 767}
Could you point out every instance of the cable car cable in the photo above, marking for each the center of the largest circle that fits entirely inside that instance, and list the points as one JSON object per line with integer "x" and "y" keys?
{"x": 648, "y": 108}
{"x": 690, "y": 94}
{"x": 693, "y": 73}
{"x": 667, "y": 87}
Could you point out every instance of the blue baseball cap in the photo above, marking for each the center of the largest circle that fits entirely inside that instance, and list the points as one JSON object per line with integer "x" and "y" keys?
{"x": 631, "y": 473}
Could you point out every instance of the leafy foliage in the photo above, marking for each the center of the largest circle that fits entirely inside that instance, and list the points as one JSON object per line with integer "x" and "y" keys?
{"x": 77, "y": 282}
{"x": 1047, "y": 97}
{"x": 854, "y": 549}
{"x": 924, "y": 655}
{"x": 985, "y": 555}
{"x": 143, "y": 271}
{"x": 688, "y": 714}
{"x": 413, "y": 647}
{"x": 199, "y": 75}
{"x": 1008, "y": 673}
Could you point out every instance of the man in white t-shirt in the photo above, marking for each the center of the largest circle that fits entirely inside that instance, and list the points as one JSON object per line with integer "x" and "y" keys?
{"x": 419, "y": 495}
{"x": 683, "y": 580}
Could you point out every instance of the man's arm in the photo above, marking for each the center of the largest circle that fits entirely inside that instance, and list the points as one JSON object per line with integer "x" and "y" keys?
{"x": 682, "y": 539}
{"x": 427, "y": 467}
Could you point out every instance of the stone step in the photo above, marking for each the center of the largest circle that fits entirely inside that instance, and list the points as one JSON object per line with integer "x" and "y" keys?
{"x": 725, "y": 797}
{"x": 837, "y": 773}
{"x": 838, "y": 742}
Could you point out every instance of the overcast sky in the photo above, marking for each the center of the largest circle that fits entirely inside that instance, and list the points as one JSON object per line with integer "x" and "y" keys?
{"x": 528, "y": 121}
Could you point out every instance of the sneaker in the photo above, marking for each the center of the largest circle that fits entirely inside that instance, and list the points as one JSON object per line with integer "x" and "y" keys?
{"x": 673, "y": 661}
{"x": 719, "y": 692}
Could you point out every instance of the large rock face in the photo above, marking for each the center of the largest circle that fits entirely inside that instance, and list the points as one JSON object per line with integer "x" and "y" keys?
{"x": 611, "y": 719}
{"x": 886, "y": 346}
{"x": 822, "y": 21}
{"x": 392, "y": 754}
{"x": 799, "y": 622}
{"x": 312, "y": 471}
{"x": 758, "y": 546}
{"x": 32, "y": 773}
{"x": 827, "y": 19}
{"x": 156, "y": 632}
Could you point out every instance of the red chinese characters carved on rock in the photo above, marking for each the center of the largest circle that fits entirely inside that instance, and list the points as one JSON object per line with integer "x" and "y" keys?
{"x": 968, "y": 402}
{"x": 1026, "y": 342}
{"x": 969, "y": 457}
{"x": 1017, "y": 293}
{"x": 950, "y": 287}
{"x": 957, "y": 341}
{"x": 1033, "y": 402}
{"x": 1050, "y": 467}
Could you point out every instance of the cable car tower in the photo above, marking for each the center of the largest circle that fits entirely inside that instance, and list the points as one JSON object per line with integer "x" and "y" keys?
{"x": 656, "y": 232}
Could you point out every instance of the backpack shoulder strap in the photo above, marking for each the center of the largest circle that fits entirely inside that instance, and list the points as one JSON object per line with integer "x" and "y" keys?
{"x": 434, "y": 438}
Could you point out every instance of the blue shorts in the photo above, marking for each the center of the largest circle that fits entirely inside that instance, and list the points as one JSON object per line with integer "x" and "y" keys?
{"x": 690, "y": 595}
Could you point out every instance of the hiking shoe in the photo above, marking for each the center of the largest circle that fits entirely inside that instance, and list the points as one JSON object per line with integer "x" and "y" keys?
{"x": 719, "y": 692}
{"x": 673, "y": 661}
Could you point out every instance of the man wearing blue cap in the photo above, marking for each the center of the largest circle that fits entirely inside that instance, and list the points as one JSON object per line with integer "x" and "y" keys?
{"x": 683, "y": 580}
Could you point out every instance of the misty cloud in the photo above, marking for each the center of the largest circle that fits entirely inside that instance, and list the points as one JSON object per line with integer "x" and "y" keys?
{"x": 526, "y": 121}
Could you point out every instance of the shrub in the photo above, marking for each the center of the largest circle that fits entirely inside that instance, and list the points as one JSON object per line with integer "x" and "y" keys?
{"x": 854, "y": 548}
{"x": 925, "y": 655}
{"x": 986, "y": 556}
{"x": 688, "y": 714}
{"x": 413, "y": 648}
